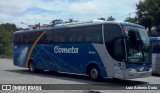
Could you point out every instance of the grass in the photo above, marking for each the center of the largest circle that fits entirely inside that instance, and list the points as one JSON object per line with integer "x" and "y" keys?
{"x": 8, "y": 52}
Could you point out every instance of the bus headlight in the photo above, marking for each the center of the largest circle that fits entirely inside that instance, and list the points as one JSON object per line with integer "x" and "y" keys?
{"x": 132, "y": 70}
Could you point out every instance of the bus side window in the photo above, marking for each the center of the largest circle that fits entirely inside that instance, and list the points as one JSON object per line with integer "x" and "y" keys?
{"x": 76, "y": 35}
{"x": 24, "y": 39}
{"x": 20, "y": 41}
{"x": 93, "y": 34}
{"x": 60, "y": 36}
{"x": 30, "y": 38}
{"x": 155, "y": 47}
{"x": 119, "y": 50}
{"x": 35, "y": 35}
{"x": 50, "y": 35}
{"x": 15, "y": 39}
{"x": 111, "y": 32}
{"x": 43, "y": 40}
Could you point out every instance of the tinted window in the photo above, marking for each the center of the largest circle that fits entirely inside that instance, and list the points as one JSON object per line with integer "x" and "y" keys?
{"x": 43, "y": 39}
{"x": 18, "y": 39}
{"x": 49, "y": 37}
{"x": 29, "y": 38}
{"x": 93, "y": 34}
{"x": 111, "y": 31}
{"x": 35, "y": 35}
{"x": 26, "y": 38}
{"x": 60, "y": 36}
{"x": 118, "y": 53}
{"x": 155, "y": 46}
{"x": 114, "y": 46}
{"x": 15, "y": 39}
{"x": 76, "y": 35}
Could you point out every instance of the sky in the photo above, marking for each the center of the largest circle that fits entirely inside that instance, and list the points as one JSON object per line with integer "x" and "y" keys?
{"x": 32, "y": 12}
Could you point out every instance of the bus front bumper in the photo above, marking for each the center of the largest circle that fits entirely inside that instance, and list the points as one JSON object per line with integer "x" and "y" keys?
{"x": 130, "y": 75}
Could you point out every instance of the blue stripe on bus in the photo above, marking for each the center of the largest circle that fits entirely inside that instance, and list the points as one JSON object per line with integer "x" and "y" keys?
{"x": 73, "y": 61}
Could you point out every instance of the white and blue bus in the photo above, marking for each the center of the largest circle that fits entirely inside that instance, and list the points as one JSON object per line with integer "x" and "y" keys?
{"x": 97, "y": 49}
{"x": 155, "y": 42}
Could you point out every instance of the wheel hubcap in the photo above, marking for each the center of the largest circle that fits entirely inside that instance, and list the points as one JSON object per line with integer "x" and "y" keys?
{"x": 94, "y": 73}
{"x": 31, "y": 67}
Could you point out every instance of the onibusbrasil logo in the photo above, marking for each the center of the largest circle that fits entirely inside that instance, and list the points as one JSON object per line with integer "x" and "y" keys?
{"x": 21, "y": 87}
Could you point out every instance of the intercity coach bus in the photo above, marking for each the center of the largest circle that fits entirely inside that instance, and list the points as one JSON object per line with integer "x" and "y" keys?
{"x": 97, "y": 49}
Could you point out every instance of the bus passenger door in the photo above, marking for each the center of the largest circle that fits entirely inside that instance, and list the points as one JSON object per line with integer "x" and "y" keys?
{"x": 114, "y": 42}
{"x": 116, "y": 50}
{"x": 119, "y": 58}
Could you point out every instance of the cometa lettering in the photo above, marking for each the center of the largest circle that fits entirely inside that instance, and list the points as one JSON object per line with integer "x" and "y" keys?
{"x": 65, "y": 50}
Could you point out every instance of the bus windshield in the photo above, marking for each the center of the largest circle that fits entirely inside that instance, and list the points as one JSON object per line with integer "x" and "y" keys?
{"x": 144, "y": 36}
{"x": 138, "y": 45}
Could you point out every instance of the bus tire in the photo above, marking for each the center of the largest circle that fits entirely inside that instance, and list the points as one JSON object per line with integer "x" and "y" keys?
{"x": 94, "y": 73}
{"x": 32, "y": 67}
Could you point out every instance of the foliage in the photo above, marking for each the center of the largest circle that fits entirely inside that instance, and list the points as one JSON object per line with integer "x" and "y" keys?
{"x": 6, "y": 32}
{"x": 111, "y": 18}
{"x": 148, "y": 13}
{"x": 132, "y": 20}
{"x": 60, "y": 21}
{"x": 56, "y": 21}
{"x": 71, "y": 20}
{"x": 101, "y": 18}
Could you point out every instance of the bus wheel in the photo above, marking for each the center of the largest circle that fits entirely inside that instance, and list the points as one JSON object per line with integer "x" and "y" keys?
{"x": 32, "y": 67}
{"x": 94, "y": 73}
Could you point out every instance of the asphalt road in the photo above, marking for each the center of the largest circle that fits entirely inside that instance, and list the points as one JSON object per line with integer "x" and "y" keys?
{"x": 10, "y": 74}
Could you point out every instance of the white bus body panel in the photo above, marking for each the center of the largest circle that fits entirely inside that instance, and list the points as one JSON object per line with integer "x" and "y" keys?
{"x": 156, "y": 63}
{"x": 113, "y": 68}
{"x": 116, "y": 69}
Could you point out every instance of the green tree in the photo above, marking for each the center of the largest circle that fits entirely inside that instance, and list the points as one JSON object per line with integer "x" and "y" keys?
{"x": 71, "y": 20}
{"x": 101, "y": 18}
{"x": 111, "y": 18}
{"x": 8, "y": 27}
{"x": 6, "y": 33}
{"x": 148, "y": 13}
{"x": 56, "y": 21}
{"x": 132, "y": 20}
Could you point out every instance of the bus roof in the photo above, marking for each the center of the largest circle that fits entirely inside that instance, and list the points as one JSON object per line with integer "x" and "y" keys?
{"x": 131, "y": 24}
{"x": 26, "y": 31}
{"x": 97, "y": 22}
{"x": 78, "y": 24}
